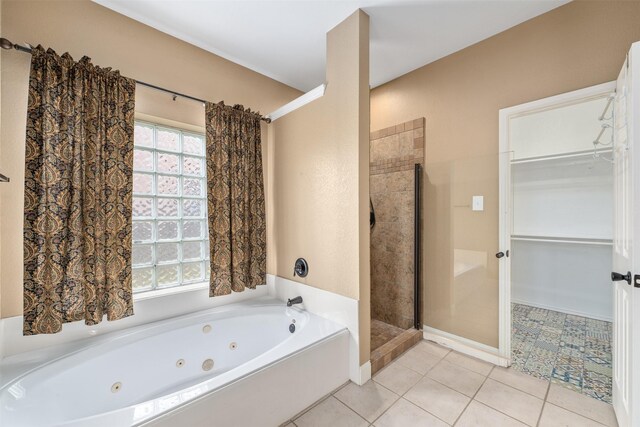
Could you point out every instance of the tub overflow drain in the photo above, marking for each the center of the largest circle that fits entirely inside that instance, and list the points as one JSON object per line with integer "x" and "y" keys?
{"x": 180, "y": 363}
{"x": 207, "y": 365}
{"x": 116, "y": 387}
{"x": 233, "y": 346}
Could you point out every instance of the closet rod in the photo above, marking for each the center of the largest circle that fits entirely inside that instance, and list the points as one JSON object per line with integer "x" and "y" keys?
{"x": 560, "y": 156}
{"x": 580, "y": 241}
{"x": 7, "y": 44}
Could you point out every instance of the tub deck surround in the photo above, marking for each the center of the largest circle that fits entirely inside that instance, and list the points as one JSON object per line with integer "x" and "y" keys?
{"x": 131, "y": 377}
{"x": 338, "y": 308}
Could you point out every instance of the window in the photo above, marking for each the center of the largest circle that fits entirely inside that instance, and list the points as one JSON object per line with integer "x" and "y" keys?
{"x": 170, "y": 237}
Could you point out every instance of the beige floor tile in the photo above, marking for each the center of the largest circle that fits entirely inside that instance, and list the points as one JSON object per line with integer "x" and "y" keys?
{"x": 330, "y": 412}
{"x": 369, "y": 400}
{"x": 582, "y": 405}
{"x": 397, "y": 378}
{"x": 290, "y": 425}
{"x": 471, "y": 363}
{"x": 555, "y": 416}
{"x": 406, "y": 414}
{"x": 515, "y": 403}
{"x": 432, "y": 348}
{"x": 418, "y": 359}
{"x": 522, "y": 382}
{"x": 439, "y": 400}
{"x": 479, "y": 415}
{"x": 456, "y": 377}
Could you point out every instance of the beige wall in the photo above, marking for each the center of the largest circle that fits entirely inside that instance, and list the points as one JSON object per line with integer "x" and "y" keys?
{"x": 319, "y": 163}
{"x": 574, "y": 46}
{"x": 138, "y": 51}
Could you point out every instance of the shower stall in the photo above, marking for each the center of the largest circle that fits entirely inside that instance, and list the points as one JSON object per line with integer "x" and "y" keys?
{"x": 396, "y": 160}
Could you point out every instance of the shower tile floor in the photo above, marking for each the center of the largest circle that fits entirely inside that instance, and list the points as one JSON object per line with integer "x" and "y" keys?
{"x": 382, "y": 333}
{"x": 568, "y": 350}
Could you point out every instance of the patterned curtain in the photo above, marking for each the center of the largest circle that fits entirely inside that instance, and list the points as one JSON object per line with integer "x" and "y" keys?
{"x": 236, "y": 207}
{"x": 78, "y": 193}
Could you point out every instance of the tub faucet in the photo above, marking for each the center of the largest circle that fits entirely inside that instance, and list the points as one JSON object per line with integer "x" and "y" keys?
{"x": 296, "y": 300}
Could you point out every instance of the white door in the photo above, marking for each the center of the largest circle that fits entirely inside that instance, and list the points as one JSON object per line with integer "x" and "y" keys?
{"x": 626, "y": 316}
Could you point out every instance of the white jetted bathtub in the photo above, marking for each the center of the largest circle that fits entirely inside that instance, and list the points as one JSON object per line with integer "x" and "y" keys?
{"x": 237, "y": 365}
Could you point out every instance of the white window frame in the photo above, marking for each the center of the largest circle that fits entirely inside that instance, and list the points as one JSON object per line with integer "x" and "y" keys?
{"x": 155, "y": 265}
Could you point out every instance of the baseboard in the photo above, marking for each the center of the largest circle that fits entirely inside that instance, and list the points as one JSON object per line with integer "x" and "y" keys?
{"x": 562, "y": 310}
{"x": 365, "y": 373}
{"x": 465, "y": 346}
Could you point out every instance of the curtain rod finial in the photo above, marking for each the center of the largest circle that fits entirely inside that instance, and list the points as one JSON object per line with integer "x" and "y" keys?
{"x": 5, "y": 44}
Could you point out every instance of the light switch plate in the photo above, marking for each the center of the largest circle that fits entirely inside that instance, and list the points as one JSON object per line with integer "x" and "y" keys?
{"x": 477, "y": 203}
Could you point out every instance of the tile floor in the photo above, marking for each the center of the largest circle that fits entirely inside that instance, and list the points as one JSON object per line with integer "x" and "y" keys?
{"x": 571, "y": 351}
{"x": 430, "y": 385}
{"x": 382, "y": 333}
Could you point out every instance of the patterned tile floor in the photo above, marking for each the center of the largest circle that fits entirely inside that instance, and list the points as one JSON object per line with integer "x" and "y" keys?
{"x": 568, "y": 350}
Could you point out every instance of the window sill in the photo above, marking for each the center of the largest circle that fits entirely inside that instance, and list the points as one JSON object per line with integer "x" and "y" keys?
{"x": 158, "y": 293}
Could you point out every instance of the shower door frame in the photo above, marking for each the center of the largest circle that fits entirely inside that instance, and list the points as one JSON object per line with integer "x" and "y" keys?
{"x": 417, "y": 252}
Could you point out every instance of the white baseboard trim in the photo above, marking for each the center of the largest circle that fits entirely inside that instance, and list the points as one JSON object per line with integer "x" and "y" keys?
{"x": 365, "y": 373}
{"x": 562, "y": 310}
{"x": 464, "y": 346}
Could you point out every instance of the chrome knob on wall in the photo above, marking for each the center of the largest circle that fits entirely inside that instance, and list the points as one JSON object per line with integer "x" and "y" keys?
{"x": 301, "y": 268}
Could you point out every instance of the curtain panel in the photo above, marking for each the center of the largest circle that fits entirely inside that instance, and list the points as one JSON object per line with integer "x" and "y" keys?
{"x": 235, "y": 199}
{"x": 78, "y": 193}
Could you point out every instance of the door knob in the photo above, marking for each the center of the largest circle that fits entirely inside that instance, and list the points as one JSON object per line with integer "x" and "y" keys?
{"x": 617, "y": 277}
{"x": 499, "y": 254}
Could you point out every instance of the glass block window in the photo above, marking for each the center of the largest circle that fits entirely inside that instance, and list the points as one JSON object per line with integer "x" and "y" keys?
{"x": 170, "y": 237}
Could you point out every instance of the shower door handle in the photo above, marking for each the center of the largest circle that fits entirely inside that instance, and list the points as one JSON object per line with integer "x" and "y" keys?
{"x": 372, "y": 215}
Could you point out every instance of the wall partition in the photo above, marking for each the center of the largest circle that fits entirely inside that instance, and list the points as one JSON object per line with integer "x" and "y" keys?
{"x": 460, "y": 300}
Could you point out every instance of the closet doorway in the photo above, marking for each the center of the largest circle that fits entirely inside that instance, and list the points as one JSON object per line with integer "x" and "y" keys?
{"x": 556, "y": 236}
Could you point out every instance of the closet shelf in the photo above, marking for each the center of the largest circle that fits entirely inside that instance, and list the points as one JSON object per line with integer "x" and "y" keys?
{"x": 555, "y": 239}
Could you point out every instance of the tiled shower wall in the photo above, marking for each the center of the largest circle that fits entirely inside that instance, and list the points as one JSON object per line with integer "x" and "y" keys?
{"x": 394, "y": 152}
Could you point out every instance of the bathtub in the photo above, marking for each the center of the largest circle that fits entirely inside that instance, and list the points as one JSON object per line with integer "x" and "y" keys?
{"x": 253, "y": 364}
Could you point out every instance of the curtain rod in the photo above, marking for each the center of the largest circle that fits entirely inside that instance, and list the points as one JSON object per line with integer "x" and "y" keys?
{"x": 7, "y": 44}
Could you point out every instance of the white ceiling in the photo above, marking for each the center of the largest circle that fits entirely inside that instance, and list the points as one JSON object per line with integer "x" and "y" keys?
{"x": 285, "y": 39}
